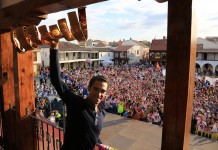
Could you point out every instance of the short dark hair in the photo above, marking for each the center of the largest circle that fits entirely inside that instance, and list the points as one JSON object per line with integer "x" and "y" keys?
{"x": 97, "y": 78}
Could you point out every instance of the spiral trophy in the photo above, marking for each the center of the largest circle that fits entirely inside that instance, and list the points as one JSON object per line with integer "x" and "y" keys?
{"x": 30, "y": 37}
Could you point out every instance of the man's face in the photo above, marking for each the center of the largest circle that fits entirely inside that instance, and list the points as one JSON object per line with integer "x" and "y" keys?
{"x": 97, "y": 91}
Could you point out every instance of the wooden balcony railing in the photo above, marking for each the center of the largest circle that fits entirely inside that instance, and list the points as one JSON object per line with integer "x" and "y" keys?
{"x": 46, "y": 135}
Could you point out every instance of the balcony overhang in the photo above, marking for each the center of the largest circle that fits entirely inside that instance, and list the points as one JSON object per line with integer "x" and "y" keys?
{"x": 16, "y": 13}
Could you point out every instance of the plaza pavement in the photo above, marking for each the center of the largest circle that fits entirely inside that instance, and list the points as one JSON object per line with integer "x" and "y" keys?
{"x": 127, "y": 134}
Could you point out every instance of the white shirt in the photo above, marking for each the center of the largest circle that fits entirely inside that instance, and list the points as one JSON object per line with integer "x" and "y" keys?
{"x": 214, "y": 129}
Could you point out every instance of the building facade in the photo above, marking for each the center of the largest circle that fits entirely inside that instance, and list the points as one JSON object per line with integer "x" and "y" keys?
{"x": 128, "y": 54}
{"x": 37, "y": 61}
{"x": 72, "y": 56}
{"x": 207, "y": 57}
{"x": 158, "y": 52}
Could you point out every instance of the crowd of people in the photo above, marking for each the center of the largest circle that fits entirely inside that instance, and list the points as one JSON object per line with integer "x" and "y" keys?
{"x": 135, "y": 91}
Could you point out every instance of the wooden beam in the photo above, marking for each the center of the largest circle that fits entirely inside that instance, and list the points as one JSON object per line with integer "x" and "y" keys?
{"x": 19, "y": 91}
{"x": 7, "y": 94}
{"x": 22, "y": 12}
{"x": 24, "y": 81}
{"x": 6, "y": 65}
{"x": 180, "y": 75}
{"x": 7, "y": 3}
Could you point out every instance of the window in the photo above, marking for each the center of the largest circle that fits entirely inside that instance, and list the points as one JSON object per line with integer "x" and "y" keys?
{"x": 163, "y": 55}
{"x": 61, "y": 56}
{"x": 34, "y": 56}
{"x": 79, "y": 55}
{"x": 124, "y": 54}
{"x": 137, "y": 52}
{"x": 108, "y": 54}
{"x": 205, "y": 56}
{"x": 157, "y": 55}
{"x": 152, "y": 54}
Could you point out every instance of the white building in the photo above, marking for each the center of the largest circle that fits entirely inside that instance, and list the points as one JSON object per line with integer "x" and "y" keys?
{"x": 127, "y": 54}
{"x": 36, "y": 61}
{"x": 144, "y": 50}
{"x": 207, "y": 56}
{"x": 44, "y": 51}
{"x": 130, "y": 51}
{"x": 72, "y": 56}
{"x": 96, "y": 43}
{"x": 106, "y": 55}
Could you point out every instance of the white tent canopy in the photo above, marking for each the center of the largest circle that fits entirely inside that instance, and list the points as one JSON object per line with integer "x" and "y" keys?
{"x": 107, "y": 62}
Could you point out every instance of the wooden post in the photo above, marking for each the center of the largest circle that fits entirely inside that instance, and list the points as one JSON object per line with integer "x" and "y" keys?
{"x": 19, "y": 91}
{"x": 180, "y": 75}
{"x": 24, "y": 80}
{"x": 7, "y": 94}
{"x": 24, "y": 98}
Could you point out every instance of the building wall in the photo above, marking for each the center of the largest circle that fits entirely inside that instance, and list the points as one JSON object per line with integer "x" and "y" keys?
{"x": 135, "y": 54}
{"x": 37, "y": 61}
{"x": 106, "y": 56}
{"x": 45, "y": 56}
{"x": 203, "y": 62}
{"x": 210, "y": 56}
{"x": 199, "y": 56}
{"x": 216, "y": 57}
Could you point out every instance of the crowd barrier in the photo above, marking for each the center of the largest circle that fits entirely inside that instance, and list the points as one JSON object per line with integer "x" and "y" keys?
{"x": 206, "y": 134}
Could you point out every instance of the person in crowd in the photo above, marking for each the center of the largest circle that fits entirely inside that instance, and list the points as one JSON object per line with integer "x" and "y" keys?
{"x": 44, "y": 106}
{"x": 84, "y": 116}
{"x": 52, "y": 118}
{"x": 120, "y": 108}
{"x": 57, "y": 116}
{"x": 41, "y": 113}
{"x": 215, "y": 127}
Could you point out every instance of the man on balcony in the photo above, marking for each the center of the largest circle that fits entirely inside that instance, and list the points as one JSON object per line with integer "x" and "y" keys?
{"x": 84, "y": 116}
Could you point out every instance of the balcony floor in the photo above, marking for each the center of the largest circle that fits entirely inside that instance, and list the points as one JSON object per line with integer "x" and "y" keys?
{"x": 128, "y": 134}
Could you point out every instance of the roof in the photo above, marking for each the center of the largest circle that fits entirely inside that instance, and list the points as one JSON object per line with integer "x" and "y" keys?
{"x": 210, "y": 51}
{"x": 213, "y": 39}
{"x": 113, "y": 44}
{"x": 140, "y": 44}
{"x": 199, "y": 47}
{"x": 123, "y": 48}
{"x": 65, "y": 46}
{"x": 134, "y": 42}
{"x": 100, "y": 44}
{"x": 102, "y": 49}
{"x": 44, "y": 46}
{"x": 68, "y": 46}
{"x": 207, "y": 44}
{"x": 159, "y": 45}
{"x": 148, "y": 44}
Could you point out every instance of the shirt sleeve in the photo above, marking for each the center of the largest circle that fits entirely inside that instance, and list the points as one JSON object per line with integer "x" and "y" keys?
{"x": 56, "y": 81}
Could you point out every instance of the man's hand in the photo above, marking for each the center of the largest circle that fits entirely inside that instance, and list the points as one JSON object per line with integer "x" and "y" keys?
{"x": 54, "y": 44}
